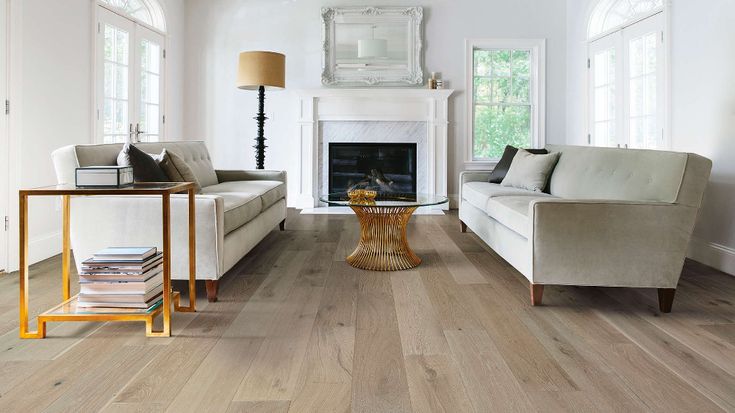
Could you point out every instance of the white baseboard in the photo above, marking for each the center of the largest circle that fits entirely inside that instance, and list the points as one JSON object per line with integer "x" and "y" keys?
{"x": 453, "y": 201}
{"x": 712, "y": 254}
{"x": 42, "y": 247}
{"x": 39, "y": 248}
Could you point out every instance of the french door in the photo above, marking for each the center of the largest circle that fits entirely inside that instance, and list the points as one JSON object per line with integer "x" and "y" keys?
{"x": 626, "y": 87}
{"x": 130, "y": 80}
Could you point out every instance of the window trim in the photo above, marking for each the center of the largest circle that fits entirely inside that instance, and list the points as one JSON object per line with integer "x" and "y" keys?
{"x": 538, "y": 92}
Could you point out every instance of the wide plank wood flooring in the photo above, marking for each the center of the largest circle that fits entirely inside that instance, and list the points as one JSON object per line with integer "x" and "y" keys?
{"x": 296, "y": 329}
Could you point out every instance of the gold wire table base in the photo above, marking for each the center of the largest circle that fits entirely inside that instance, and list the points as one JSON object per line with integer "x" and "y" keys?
{"x": 383, "y": 244}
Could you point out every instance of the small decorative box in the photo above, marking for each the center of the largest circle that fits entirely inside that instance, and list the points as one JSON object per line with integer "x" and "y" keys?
{"x": 104, "y": 176}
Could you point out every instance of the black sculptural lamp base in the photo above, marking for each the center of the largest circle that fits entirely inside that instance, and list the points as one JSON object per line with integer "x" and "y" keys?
{"x": 260, "y": 140}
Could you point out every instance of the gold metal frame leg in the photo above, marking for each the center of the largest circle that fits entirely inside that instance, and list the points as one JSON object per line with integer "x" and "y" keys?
{"x": 192, "y": 259}
{"x": 166, "y": 215}
{"x": 23, "y": 274}
{"x": 66, "y": 247}
{"x": 149, "y": 332}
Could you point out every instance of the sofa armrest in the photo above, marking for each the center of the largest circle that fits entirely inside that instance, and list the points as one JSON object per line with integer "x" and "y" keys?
{"x": 474, "y": 176}
{"x": 250, "y": 175}
{"x": 102, "y": 221}
{"x": 609, "y": 243}
{"x": 471, "y": 176}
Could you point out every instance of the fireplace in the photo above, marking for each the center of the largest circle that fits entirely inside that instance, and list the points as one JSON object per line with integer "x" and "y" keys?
{"x": 384, "y": 167}
{"x": 382, "y": 116}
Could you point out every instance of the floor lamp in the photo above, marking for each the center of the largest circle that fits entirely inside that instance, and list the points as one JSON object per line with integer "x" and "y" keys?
{"x": 260, "y": 71}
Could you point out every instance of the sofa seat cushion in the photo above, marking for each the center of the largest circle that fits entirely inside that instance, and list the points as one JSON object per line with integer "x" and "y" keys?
{"x": 512, "y": 211}
{"x": 240, "y": 208}
{"x": 478, "y": 193}
{"x": 245, "y": 200}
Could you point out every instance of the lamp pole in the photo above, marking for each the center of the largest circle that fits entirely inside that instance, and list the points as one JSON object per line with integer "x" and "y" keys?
{"x": 260, "y": 139}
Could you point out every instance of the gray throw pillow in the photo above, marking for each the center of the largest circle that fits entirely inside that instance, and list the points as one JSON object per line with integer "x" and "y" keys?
{"x": 177, "y": 170}
{"x": 529, "y": 171}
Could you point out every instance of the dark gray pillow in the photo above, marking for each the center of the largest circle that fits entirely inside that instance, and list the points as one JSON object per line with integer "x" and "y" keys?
{"x": 501, "y": 169}
{"x": 145, "y": 168}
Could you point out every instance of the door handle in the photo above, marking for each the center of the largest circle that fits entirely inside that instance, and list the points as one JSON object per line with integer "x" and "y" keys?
{"x": 138, "y": 132}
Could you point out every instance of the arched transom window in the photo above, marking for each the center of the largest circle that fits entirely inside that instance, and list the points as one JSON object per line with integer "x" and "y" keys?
{"x": 612, "y": 14}
{"x": 144, "y": 11}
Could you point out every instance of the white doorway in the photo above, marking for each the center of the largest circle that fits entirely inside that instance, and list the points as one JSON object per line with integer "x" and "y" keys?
{"x": 4, "y": 137}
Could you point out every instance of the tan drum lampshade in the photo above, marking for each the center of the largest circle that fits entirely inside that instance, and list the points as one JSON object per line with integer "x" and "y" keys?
{"x": 266, "y": 69}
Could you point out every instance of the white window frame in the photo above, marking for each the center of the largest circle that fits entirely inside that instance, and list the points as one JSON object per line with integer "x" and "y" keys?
{"x": 538, "y": 92}
{"x": 98, "y": 69}
{"x": 664, "y": 85}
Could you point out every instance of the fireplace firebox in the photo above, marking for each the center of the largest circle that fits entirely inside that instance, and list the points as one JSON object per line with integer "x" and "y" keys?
{"x": 384, "y": 167}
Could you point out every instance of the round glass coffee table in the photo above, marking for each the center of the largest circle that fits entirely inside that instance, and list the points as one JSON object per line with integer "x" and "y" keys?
{"x": 383, "y": 244}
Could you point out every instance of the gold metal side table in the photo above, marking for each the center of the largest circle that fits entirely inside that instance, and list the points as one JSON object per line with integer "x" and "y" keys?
{"x": 383, "y": 244}
{"x": 67, "y": 310}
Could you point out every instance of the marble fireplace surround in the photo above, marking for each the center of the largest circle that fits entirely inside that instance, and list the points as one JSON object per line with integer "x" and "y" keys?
{"x": 372, "y": 132}
{"x": 371, "y": 115}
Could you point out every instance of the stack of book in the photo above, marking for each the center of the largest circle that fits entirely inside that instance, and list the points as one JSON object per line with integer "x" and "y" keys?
{"x": 122, "y": 277}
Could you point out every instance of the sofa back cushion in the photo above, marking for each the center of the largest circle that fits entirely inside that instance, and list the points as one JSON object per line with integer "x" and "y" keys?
{"x": 194, "y": 153}
{"x": 620, "y": 174}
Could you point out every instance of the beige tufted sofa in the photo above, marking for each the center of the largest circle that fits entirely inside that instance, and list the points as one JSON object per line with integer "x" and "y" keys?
{"x": 613, "y": 217}
{"x": 234, "y": 211}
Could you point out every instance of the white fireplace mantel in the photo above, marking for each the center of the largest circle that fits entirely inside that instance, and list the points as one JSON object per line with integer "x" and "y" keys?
{"x": 369, "y": 104}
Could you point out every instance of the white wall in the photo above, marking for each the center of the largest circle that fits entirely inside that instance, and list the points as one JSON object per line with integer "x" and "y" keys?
{"x": 218, "y": 30}
{"x": 703, "y": 108}
{"x": 51, "y": 92}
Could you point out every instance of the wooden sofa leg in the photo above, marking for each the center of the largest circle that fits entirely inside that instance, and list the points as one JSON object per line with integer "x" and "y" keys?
{"x": 463, "y": 226}
{"x": 537, "y": 293}
{"x": 212, "y": 288}
{"x": 282, "y": 225}
{"x": 666, "y": 299}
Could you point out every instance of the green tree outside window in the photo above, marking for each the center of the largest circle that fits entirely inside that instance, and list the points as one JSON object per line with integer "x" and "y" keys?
{"x": 501, "y": 101}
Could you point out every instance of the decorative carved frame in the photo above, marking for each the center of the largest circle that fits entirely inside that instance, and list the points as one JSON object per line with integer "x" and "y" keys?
{"x": 414, "y": 75}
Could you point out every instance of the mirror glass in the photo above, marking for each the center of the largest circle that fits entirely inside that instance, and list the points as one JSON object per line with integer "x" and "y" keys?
{"x": 379, "y": 45}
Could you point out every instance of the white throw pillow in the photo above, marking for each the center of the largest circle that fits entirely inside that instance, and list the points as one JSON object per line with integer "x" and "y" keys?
{"x": 123, "y": 159}
{"x": 529, "y": 171}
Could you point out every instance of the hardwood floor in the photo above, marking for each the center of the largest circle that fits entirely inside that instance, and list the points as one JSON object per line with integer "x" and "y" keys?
{"x": 297, "y": 329}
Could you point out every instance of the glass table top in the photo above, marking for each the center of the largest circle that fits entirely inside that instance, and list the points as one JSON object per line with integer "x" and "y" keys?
{"x": 138, "y": 188}
{"x": 384, "y": 200}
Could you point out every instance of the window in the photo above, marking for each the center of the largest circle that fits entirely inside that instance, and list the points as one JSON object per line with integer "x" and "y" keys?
{"x": 610, "y": 15}
{"x": 505, "y": 106}
{"x": 148, "y": 12}
{"x": 626, "y": 82}
{"x": 130, "y": 74}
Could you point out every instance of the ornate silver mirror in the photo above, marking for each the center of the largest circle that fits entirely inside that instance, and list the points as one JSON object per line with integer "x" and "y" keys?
{"x": 372, "y": 46}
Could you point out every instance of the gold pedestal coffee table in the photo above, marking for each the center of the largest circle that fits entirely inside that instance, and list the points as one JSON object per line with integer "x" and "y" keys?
{"x": 383, "y": 245}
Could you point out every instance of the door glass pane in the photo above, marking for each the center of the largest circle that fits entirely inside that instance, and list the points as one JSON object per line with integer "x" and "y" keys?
{"x": 604, "y": 98}
{"x": 150, "y": 90}
{"x": 642, "y": 67}
{"x": 115, "y": 116}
